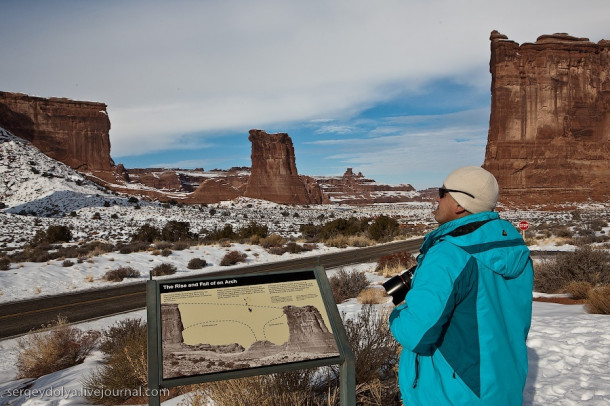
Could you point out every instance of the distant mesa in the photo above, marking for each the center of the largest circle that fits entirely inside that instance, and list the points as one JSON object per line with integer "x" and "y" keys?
{"x": 549, "y": 129}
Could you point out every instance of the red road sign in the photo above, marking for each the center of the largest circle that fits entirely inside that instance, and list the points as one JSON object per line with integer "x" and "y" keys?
{"x": 524, "y": 225}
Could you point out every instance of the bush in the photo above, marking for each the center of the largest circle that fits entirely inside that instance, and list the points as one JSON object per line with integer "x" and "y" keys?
{"x": 52, "y": 348}
{"x": 117, "y": 275}
{"x": 232, "y": 258}
{"x": 125, "y": 364}
{"x": 67, "y": 263}
{"x": 253, "y": 229}
{"x": 52, "y": 235}
{"x": 197, "y": 263}
{"x": 176, "y": 231}
{"x": 346, "y": 285}
{"x": 578, "y": 290}
{"x": 599, "y": 300}
{"x": 224, "y": 233}
{"x": 585, "y": 264}
{"x": 164, "y": 269}
{"x": 5, "y": 264}
{"x": 383, "y": 228}
{"x": 274, "y": 240}
{"x": 372, "y": 296}
{"x": 394, "y": 263}
{"x": 146, "y": 233}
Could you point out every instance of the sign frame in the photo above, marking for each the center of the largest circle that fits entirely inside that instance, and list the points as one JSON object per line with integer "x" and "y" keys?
{"x": 156, "y": 381}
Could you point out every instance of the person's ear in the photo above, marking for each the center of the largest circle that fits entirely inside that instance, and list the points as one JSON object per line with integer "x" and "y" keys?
{"x": 459, "y": 210}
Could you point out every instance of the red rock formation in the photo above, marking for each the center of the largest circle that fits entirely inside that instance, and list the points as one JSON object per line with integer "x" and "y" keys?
{"x": 356, "y": 189}
{"x": 549, "y": 127}
{"x": 214, "y": 190}
{"x": 72, "y": 132}
{"x": 274, "y": 173}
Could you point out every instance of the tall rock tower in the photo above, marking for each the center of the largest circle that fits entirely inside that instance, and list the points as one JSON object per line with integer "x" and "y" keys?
{"x": 549, "y": 129}
{"x": 274, "y": 173}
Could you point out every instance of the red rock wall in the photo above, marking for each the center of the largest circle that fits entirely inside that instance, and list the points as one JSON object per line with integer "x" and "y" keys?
{"x": 73, "y": 132}
{"x": 274, "y": 175}
{"x": 549, "y": 127}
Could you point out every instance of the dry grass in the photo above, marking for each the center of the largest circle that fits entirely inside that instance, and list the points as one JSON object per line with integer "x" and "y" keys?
{"x": 233, "y": 257}
{"x": 52, "y": 348}
{"x": 578, "y": 289}
{"x": 372, "y": 296}
{"x": 599, "y": 300}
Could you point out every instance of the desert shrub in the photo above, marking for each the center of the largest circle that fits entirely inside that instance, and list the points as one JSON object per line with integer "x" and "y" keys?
{"x": 346, "y": 227}
{"x": 52, "y": 348}
{"x": 585, "y": 264}
{"x": 135, "y": 246}
{"x": 196, "y": 263}
{"x": 599, "y": 300}
{"x": 274, "y": 240}
{"x": 164, "y": 269}
{"x": 372, "y": 296}
{"x": 346, "y": 285}
{"x": 360, "y": 241}
{"x": 117, "y": 275}
{"x": 67, "y": 263}
{"x": 276, "y": 250}
{"x": 166, "y": 252}
{"x": 146, "y": 233}
{"x": 5, "y": 263}
{"x": 253, "y": 229}
{"x": 578, "y": 290}
{"x": 232, "y": 258}
{"x": 376, "y": 352}
{"x": 383, "y": 228}
{"x": 52, "y": 235}
{"x": 180, "y": 245}
{"x": 337, "y": 241}
{"x": 220, "y": 234}
{"x": 176, "y": 231}
{"x": 394, "y": 263}
{"x": 124, "y": 370}
{"x": 293, "y": 247}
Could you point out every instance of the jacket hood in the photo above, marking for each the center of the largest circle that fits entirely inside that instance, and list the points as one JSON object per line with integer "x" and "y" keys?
{"x": 493, "y": 242}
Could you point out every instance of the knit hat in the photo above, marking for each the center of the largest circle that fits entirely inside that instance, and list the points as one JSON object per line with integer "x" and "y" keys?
{"x": 477, "y": 182}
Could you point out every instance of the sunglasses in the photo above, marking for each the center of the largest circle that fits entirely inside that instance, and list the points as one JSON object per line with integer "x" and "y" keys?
{"x": 442, "y": 191}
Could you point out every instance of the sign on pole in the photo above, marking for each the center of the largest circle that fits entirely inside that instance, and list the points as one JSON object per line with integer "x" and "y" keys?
{"x": 524, "y": 225}
{"x": 207, "y": 329}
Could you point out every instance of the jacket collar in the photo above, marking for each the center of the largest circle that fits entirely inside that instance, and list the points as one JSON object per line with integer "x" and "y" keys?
{"x": 451, "y": 226}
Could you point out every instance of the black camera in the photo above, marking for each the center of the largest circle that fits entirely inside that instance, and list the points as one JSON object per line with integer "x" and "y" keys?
{"x": 398, "y": 286}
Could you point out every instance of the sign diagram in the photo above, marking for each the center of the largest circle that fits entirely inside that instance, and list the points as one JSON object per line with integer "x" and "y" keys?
{"x": 215, "y": 325}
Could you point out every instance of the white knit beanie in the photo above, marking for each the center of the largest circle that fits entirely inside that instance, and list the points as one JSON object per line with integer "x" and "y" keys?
{"x": 476, "y": 181}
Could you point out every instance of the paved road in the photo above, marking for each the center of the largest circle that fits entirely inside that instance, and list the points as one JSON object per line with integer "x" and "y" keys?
{"x": 18, "y": 318}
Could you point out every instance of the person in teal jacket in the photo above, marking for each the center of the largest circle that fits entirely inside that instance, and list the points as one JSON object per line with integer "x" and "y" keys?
{"x": 464, "y": 322}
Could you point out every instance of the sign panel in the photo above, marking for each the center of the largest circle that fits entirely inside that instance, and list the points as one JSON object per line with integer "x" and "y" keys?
{"x": 524, "y": 225}
{"x": 216, "y": 325}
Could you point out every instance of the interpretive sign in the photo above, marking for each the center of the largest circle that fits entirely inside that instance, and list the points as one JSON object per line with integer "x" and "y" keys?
{"x": 227, "y": 327}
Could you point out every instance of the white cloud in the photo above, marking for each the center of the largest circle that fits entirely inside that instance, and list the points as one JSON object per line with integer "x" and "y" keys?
{"x": 171, "y": 70}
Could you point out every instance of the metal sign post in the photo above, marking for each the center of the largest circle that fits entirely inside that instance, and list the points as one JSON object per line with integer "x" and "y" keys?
{"x": 523, "y": 225}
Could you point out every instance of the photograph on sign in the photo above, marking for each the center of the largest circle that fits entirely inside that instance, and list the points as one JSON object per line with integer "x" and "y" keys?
{"x": 215, "y": 325}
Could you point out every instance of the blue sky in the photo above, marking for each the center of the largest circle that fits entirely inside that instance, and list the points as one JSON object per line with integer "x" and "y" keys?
{"x": 398, "y": 90}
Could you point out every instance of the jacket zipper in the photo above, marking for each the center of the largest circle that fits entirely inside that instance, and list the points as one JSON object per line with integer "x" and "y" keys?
{"x": 416, "y": 371}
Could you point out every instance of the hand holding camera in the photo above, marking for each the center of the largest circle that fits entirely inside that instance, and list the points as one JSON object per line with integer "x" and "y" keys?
{"x": 398, "y": 286}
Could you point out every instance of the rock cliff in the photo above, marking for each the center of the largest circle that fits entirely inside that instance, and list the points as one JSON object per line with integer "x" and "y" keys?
{"x": 73, "y": 132}
{"x": 549, "y": 127}
{"x": 274, "y": 173}
{"x": 355, "y": 189}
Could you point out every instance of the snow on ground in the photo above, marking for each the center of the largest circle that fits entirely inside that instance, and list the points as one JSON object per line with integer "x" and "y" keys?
{"x": 569, "y": 359}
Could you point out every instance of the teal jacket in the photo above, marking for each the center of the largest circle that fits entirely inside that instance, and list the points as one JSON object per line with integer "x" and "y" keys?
{"x": 465, "y": 321}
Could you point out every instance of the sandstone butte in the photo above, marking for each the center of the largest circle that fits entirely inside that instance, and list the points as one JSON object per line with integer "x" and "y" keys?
{"x": 549, "y": 126}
